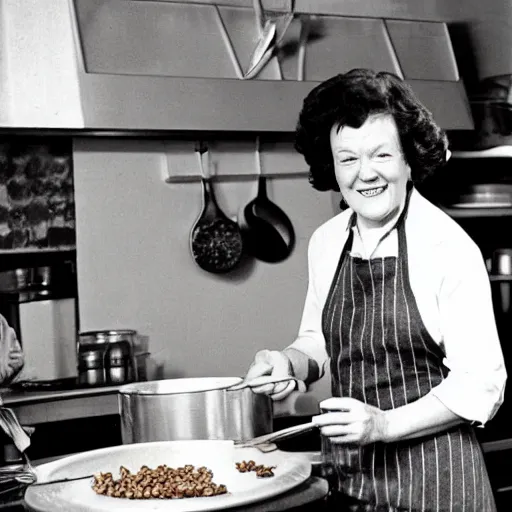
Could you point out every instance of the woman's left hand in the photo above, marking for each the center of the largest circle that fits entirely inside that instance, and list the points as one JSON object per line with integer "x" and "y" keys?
{"x": 349, "y": 421}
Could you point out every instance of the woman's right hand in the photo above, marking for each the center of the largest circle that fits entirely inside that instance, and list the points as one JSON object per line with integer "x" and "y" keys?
{"x": 273, "y": 365}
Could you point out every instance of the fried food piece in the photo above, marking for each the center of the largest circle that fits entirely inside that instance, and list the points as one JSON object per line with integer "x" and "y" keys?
{"x": 161, "y": 483}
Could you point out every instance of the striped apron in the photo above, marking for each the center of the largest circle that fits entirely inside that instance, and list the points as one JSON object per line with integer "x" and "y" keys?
{"x": 382, "y": 354}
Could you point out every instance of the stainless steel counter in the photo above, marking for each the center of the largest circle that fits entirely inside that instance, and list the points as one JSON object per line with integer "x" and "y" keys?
{"x": 12, "y": 397}
{"x": 34, "y": 407}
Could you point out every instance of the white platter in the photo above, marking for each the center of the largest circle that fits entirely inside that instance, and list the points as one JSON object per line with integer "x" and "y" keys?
{"x": 219, "y": 456}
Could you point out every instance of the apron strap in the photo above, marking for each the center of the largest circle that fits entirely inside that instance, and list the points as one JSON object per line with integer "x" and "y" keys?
{"x": 402, "y": 239}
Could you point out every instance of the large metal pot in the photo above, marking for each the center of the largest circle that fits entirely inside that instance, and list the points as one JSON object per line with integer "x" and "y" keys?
{"x": 195, "y": 408}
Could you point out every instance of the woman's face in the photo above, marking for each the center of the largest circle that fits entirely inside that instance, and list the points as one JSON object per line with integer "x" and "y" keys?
{"x": 370, "y": 168}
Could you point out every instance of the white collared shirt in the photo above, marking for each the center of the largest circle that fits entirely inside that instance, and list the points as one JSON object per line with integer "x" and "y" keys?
{"x": 452, "y": 290}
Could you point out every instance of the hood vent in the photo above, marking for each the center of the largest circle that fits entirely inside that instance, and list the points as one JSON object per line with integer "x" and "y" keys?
{"x": 137, "y": 65}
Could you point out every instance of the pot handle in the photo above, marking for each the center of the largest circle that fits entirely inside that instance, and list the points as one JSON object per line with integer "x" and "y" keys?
{"x": 264, "y": 379}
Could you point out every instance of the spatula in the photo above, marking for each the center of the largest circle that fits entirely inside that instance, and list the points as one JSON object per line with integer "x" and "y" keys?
{"x": 280, "y": 435}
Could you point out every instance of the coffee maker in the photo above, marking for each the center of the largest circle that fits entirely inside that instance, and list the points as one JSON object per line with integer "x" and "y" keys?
{"x": 40, "y": 304}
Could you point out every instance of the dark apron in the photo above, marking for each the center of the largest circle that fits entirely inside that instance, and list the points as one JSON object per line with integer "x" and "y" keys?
{"x": 382, "y": 354}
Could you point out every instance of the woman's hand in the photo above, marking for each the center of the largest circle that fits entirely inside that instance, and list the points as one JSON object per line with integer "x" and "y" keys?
{"x": 349, "y": 421}
{"x": 275, "y": 365}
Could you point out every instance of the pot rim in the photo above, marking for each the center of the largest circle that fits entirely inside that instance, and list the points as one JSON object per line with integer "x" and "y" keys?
{"x": 179, "y": 386}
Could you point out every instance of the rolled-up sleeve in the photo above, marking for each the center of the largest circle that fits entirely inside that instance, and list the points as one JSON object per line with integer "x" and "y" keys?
{"x": 474, "y": 387}
{"x": 307, "y": 354}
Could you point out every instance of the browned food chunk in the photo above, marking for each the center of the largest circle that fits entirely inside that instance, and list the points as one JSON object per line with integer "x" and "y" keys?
{"x": 261, "y": 470}
{"x": 161, "y": 483}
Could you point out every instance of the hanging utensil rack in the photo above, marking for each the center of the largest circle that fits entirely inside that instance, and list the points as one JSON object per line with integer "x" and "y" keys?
{"x": 233, "y": 162}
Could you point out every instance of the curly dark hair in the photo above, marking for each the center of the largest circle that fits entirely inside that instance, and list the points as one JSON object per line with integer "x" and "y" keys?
{"x": 348, "y": 99}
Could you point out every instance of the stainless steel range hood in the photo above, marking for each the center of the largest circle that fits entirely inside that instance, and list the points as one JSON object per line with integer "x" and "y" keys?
{"x": 139, "y": 65}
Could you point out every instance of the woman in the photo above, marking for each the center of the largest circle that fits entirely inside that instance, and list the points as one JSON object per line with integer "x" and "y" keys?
{"x": 398, "y": 303}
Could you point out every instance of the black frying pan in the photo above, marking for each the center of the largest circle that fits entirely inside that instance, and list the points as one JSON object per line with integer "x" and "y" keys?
{"x": 268, "y": 232}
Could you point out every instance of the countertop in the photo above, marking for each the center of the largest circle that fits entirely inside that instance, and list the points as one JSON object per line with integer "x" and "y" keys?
{"x": 311, "y": 496}
{"x": 36, "y": 407}
{"x": 33, "y": 407}
{"x": 17, "y": 397}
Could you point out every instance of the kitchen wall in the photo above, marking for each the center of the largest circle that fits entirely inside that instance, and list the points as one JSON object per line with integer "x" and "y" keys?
{"x": 135, "y": 269}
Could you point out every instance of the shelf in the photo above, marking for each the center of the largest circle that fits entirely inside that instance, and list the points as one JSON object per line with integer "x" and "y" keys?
{"x": 20, "y": 259}
{"x": 459, "y": 213}
{"x": 495, "y": 446}
{"x": 234, "y": 177}
{"x": 500, "y": 278}
{"x": 229, "y": 160}
{"x": 496, "y": 152}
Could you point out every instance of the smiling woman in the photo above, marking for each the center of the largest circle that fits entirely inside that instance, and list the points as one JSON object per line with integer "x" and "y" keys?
{"x": 412, "y": 344}
{"x": 371, "y": 169}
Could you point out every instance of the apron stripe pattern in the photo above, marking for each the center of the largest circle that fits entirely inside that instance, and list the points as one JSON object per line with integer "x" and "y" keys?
{"x": 382, "y": 354}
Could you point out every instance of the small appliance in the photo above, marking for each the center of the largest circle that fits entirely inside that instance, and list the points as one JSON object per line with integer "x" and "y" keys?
{"x": 41, "y": 307}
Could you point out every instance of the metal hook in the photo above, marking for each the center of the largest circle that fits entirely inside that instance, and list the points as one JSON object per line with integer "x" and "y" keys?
{"x": 257, "y": 154}
{"x": 200, "y": 149}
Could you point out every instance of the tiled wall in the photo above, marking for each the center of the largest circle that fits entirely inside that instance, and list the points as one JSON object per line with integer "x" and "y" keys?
{"x": 37, "y": 204}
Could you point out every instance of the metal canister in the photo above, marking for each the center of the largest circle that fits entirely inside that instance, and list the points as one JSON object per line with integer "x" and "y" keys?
{"x": 119, "y": 367}
{"x": 91, "y": 370}
{"x": 117, "y": 348}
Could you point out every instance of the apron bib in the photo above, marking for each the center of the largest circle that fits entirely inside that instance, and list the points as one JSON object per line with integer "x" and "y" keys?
{"x": 382, "y": 354}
